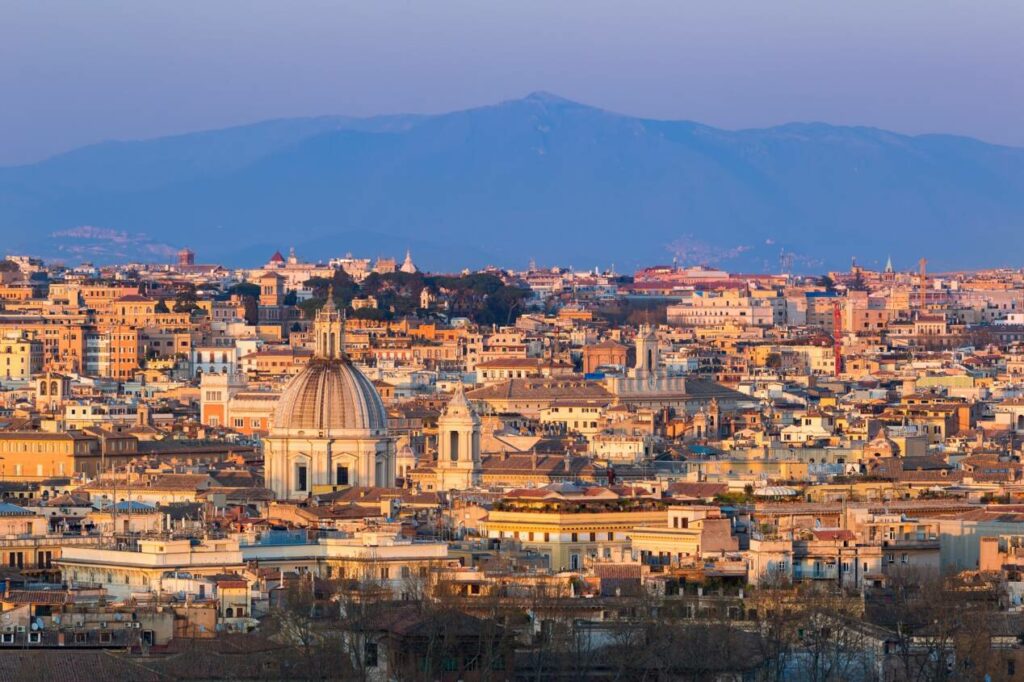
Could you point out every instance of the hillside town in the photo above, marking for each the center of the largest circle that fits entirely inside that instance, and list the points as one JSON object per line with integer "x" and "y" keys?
{"x": 351, "y": 468}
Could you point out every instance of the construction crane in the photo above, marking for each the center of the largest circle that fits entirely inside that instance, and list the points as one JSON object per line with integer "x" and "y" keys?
{"x": 923, "y": 274}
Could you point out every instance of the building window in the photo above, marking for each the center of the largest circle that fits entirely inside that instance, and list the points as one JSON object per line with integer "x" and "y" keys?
{"x": 341, "y": 475}
{"x": 301, "y": 484}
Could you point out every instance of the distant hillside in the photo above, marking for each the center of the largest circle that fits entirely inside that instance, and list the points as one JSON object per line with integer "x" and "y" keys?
{"x": 537, "y": 177}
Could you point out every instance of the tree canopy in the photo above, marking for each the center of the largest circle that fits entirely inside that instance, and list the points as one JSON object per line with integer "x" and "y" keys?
{"x": 483, "y": 298}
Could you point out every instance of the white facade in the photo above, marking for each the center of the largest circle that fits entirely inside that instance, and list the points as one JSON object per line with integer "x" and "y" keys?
{"x": 141, "y": 568}
{"x": 330, "y": 426}
{"x": 703, "y": 310}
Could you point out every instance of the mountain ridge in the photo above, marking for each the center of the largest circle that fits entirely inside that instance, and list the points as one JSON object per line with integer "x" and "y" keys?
{"x": 539, "y": 176}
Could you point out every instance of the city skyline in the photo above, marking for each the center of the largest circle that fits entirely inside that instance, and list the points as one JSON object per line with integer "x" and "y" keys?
{"x": 494, "y": 341}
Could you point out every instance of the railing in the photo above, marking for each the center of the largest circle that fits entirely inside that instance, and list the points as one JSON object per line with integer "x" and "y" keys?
{"x": 82, "y": 585}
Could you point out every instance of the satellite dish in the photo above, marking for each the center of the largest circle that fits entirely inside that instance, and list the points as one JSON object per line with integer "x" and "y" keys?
{"x": 35, "y": 626}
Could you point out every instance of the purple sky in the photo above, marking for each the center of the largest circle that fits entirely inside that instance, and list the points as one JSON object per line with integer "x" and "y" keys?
{"x": 77, "y": 72}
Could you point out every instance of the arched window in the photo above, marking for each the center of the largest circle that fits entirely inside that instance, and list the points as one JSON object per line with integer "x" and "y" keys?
{"x": 42, "y": 388}
{"x": 53, "y": 388}
{"x": 230, "y": 612}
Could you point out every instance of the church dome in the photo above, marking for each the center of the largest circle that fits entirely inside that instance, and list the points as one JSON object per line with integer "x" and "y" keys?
{"x": 330, "y": 395}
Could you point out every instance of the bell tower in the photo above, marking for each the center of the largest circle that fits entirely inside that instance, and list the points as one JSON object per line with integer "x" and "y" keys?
{"x": 458, "y": 444}
{"x": 647, "y": 360}
{"x": 51, "y": 391}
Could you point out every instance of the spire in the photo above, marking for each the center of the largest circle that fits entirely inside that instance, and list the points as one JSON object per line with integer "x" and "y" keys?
{"x": 408, "y": 266}
{"x": 329, "y": 306}
{"x": 888, "y": 264}
{"x": 459, "y": 404}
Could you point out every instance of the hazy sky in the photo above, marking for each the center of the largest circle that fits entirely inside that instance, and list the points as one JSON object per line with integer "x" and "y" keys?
{"x": 82, "y": 71}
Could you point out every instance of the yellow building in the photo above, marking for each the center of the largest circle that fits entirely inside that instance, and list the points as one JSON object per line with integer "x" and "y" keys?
{"x": 20, "y": 356}
{"x": 691, "y": 532}
{"x": 33, "y": 455}
{"x": 860, "y": 490}
{"x": 759, "y": 469}
{"x": 568, "y": 529}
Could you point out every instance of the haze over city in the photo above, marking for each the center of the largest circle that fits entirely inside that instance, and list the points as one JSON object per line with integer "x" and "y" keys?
{"x": 471, "y": 341}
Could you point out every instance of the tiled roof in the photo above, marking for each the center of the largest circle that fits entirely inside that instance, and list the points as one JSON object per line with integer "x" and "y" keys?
{"x": 554, "y": 388}
{"x": 57, "y": 665}
{"x": 618, "y": 571}
{"x": 701, "y": 490}
{"x": 52, "y": 597}
{"x": 179, "y": 482}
